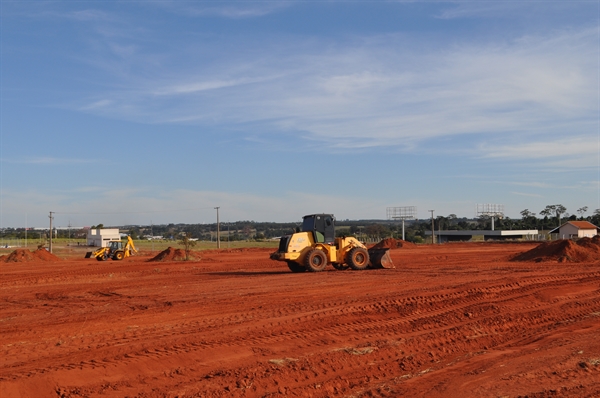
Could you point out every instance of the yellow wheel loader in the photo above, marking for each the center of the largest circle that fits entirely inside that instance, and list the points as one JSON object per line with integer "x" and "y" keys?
{"x": 114, "y": 250}
{"x": 314, "y": 245}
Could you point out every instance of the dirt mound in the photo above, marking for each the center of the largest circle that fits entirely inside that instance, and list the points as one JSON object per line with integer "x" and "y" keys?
{"x": 170, "y": 254}
{"x": 45, "y": 255}
{"x": 585, "y": 249}
{"x": 24, "y": 255}
{"x": 391, "y": 243}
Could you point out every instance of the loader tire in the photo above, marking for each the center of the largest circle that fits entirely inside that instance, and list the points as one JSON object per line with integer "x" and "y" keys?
{"x": 340, "y": 267}
{"x": 315, "y": 260}
{"x": 358, "y": 258}
{"x": 119, "y": 256}
{"x": 295, "y": 267}
{"x": 100, "y": 258}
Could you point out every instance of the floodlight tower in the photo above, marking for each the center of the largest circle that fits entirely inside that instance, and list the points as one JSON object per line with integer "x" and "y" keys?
{"x": 401, "y": 213}
{"x": 491, "y": 210}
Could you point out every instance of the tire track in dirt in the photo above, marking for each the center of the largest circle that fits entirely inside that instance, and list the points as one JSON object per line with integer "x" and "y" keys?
{"x": 418, "y": 323}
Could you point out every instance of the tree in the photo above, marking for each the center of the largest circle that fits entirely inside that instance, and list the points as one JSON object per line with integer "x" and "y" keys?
{"x": 526, "y": 214}
{"x": 554, "y": 210}
{"x": 187, "y": 244}
{"x": 582, "y": 211}
{"x": 377, "y": 230}
{"x": 595, "y": 219}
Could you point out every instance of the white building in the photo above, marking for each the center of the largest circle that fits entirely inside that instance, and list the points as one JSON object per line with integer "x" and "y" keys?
{"x": 576, "y": 229}
{"x": 101, "y": 237}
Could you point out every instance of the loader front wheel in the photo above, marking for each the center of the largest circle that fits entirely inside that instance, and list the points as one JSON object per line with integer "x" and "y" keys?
{"x": 119, "y": 256}
{"x": 315, "y": 260}
{"x": 100, "y": 258}
{"x": 295, "y": 267}
{"x": 358, "y": 258}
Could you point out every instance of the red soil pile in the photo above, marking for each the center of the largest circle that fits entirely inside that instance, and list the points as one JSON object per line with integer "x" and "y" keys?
{"x": 584, "y": 249}
{"x": 24, "y": 255}
{"x": 45, "y": 255}
{"x": 170, "y": 254}
{"x": 391, "y": 243}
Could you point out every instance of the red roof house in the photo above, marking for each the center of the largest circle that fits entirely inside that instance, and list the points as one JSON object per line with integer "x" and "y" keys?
{"x": 576, "y": 229}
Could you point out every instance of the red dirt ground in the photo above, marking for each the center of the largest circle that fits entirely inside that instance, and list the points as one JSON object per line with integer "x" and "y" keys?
{"x": 453, "y": 320}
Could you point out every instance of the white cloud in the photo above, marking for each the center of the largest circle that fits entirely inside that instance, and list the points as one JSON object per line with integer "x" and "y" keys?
{"x": 231, "y": 9}
{"x": 47, "y": 160}
{"x": 383, "y": 92}
{"x": 572, "y": 147}
{"x": 531, "y": 195}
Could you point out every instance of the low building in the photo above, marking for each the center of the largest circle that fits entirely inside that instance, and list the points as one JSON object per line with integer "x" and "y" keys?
{"x": 101, "y": 237}
{"x": 469, "y": 235}
{"x": 575, "y": 229}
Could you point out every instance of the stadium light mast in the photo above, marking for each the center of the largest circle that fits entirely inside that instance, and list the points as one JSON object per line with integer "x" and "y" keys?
{"x": 402, "y": 213}
{"x": 490, "y": 210}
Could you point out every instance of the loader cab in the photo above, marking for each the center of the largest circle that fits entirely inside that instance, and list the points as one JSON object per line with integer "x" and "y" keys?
{"x": 321, "y": 225}
{"x": 115, "y": 245}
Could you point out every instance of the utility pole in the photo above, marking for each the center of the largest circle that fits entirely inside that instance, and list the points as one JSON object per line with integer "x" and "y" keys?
{"x": 218, "y": 232}
{"x": 432, "y": 228}
{"x": 51, "y": 218}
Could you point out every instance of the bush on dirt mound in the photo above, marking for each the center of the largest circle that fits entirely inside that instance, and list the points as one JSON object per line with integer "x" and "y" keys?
{"x": 170, "y": 254}
{"x": 564, "y": 250}
{"x": 391, "y": 243}
{"x": 24, "y": 255}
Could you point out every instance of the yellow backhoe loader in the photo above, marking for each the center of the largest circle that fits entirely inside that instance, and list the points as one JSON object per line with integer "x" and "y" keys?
{"x": 314, "y": 245}
{"x": 114, "y": 250}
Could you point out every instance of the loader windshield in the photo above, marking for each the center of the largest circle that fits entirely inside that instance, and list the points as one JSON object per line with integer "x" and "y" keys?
{"x": 308, "y": 224}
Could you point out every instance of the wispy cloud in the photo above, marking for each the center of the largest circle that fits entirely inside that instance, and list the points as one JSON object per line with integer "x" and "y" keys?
{"x": 236, "y": 9}
{"x": 572, "y": 147}
{"x": 500, "y": 9}
{"x": 386, "y": 92}
{"x": 47, "y": 161}
{"x": 531, "y": 195}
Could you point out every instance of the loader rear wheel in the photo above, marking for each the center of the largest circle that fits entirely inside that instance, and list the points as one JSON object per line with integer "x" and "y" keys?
{"x": 119, "y": 256}
{"x": 340, "y": 267}
{"x": 295, "y": 267}
{"x": 358, "y": 258}
{"x": 315, "y": 260}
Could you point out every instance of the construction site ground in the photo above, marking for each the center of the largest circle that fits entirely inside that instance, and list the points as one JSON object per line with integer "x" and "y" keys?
{"x": 451, "y": 320}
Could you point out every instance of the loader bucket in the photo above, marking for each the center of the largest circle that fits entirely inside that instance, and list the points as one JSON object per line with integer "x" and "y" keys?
{"x": 380, "y": 258}
{"x": 88, "y": 254}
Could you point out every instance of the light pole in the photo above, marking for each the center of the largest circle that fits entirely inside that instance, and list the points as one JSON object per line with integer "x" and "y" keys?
{"x": 51, "y": 218}
{"x": 218, "y": 231}
{"x": 432, "y": 229}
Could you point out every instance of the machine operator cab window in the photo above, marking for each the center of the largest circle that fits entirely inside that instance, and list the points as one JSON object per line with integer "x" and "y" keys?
{"x": 322, "y": 226}
{"x": 115, "y": 245}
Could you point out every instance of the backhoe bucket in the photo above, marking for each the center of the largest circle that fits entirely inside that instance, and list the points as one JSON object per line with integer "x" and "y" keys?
{"x": 380, "y": 258}
{"x": 88, "y": 254}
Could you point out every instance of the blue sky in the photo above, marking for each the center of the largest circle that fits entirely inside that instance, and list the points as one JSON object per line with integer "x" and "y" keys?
{"x": 127, "y": 112}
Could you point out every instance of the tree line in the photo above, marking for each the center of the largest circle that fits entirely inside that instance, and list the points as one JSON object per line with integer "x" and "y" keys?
{"x": 548, "y": 218}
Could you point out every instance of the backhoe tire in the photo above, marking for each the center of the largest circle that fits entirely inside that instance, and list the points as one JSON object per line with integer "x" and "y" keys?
{"x": 100, "y": 258}
{"x": 358, "y": 258}
{"x": 315, "y": 260}
{"x": 295, "y": 267}
{"x": 119, "y": 256}
{"x": 340, "y": 267}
